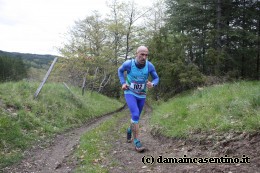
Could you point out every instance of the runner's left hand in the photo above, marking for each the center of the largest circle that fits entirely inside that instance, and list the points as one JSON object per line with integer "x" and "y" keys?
{"x": 149, "y": 84}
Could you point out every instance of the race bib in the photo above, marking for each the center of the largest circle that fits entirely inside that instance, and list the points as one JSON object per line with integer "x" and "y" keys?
{"x": 137, "y": 86}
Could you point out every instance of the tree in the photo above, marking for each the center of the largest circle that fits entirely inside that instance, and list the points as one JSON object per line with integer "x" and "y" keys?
{"x": 86, "y": 38}
{"x": 116, "y": 28}
{"x": 177, "y": 73}
{"x": 12, "y": 69}
{"x": 154, "y": 19}
{"x": 221, "y": 34}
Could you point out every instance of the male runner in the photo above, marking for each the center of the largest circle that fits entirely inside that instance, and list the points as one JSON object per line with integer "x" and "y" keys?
{"x": 134, "y": 87}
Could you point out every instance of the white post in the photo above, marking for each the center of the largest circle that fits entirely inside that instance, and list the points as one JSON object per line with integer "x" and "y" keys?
{"x": 45, "y": 78}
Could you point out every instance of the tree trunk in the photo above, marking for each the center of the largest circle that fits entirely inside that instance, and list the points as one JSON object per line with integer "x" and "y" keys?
{"x": 258, "y": 52}
{"x": 219, "y": 46}
{"x": 243, "y": 73}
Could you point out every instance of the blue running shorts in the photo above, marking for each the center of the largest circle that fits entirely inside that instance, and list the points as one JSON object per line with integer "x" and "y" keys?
{"x": 135, "y": 106}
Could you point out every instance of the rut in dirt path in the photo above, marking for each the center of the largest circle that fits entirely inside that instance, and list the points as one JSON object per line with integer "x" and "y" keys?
{"x": 57, "y": 156}
{"x": 159, "y": 148}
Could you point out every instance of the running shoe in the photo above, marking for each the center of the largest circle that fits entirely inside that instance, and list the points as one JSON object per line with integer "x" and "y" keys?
{"x": 138, "y": 146}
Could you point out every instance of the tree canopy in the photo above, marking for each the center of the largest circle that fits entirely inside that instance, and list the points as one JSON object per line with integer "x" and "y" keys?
{"x": 188, "y": 41}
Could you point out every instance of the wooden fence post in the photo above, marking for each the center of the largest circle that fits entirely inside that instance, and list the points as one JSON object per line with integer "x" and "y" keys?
{"x": 84, "y": 82}
{"x": 45, "y": 78}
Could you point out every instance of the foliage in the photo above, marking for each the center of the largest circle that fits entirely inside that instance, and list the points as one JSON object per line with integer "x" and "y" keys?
{"x": 96, "y": 46}
{"x": 223, "y": 36}
{"x": 98, "y": 74}
{"x": 31, "y": 67}
{"x": 187, "y": 40}
{"x": 202, "y": 38}
{"x": 12, "y": 69}
{"x": 176, "y": 72}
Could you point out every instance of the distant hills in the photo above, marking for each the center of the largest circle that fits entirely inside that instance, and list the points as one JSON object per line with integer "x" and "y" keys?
{"x": 31, "y": 60}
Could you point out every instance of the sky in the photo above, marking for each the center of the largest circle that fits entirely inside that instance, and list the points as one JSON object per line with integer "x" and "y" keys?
{"x": 40, "y": 26}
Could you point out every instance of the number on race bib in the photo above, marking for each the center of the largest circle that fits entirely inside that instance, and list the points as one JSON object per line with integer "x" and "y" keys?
{"x": 136, "y": 86}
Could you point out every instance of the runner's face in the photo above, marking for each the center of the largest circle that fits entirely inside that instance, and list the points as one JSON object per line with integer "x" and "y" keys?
{"x": 142, "y": 56}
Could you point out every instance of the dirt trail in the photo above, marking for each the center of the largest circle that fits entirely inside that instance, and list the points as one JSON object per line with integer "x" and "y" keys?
{"x": 159, "y": 148}
{"x": 57, "y": 157}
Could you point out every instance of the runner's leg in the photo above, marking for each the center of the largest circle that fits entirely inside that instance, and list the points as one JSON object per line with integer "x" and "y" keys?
{"x": 132, "y": 101}
{"x": 140, "y": 104}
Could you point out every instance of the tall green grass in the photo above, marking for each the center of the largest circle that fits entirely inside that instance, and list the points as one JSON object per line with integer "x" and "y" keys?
{"x": 24, "y": 120}
{"x": 221, "y": 108}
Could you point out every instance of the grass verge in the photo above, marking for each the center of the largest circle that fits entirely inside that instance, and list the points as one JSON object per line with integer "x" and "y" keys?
{"x": 222, "y": 108}
{"x": 24, "y": 120}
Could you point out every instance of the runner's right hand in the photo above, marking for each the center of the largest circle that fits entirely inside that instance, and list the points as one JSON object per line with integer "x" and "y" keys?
{"x": 125, "y": 87}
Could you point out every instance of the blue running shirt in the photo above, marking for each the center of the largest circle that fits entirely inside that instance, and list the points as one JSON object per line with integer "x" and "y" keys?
{"x": 136, "y": 78}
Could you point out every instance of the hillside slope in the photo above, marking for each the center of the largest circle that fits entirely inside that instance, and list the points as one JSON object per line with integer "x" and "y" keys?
{"x": 24, "y": 120}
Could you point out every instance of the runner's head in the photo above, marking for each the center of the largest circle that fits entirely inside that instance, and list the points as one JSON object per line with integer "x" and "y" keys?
{"x": 141, "y": 54}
